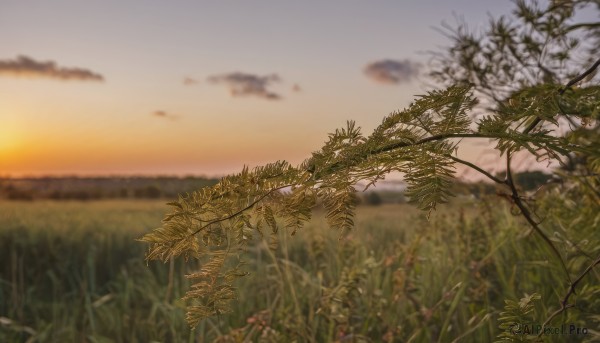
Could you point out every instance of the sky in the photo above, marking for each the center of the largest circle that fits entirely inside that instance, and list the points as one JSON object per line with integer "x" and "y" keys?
{"x": 205, "y": 87}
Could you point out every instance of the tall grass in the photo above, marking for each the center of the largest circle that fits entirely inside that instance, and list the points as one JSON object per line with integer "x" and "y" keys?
{"x": 73, "y": 272}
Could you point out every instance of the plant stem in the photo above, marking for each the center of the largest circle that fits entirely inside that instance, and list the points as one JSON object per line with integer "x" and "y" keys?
{"x": 564, "y": 303}
{"x": 525, "y": 212}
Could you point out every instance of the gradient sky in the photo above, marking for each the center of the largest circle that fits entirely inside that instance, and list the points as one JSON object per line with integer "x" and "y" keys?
{"x": 143, "y": 119}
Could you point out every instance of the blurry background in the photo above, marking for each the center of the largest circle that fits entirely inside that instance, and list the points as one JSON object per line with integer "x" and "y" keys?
{"x": 203, "y": 88}
{"x": 110, "y": 109}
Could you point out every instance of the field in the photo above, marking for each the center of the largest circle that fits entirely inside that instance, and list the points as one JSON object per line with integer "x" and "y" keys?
{"x": 73, "y": 272}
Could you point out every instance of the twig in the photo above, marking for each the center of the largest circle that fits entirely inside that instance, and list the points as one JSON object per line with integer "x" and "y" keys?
{"x": 387, "y": 148}
{"x": 471, "y": 165}
{"x": 583, "y": 25}
{"x": 580, "y": 77}
{"x": 563, "y": 90}
{"x": 564, "y": 303}
{"x": 525, "y": 212}
{"x": 233, "y": 215}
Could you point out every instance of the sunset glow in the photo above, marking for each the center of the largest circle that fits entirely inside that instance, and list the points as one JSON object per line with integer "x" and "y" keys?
{"x": 203, "y": 87}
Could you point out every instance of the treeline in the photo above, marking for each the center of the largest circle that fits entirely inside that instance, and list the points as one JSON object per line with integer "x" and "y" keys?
{"x": 526, "y": 181}
{"x": 86, "y": 188}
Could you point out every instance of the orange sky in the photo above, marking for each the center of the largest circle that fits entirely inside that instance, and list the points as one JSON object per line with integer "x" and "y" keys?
{"x": 203, "y": 89}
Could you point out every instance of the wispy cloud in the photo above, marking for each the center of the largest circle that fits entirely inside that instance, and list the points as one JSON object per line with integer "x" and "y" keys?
{"x": 392, "y": 71}
{"x": 165, "y": 115}
{"x": 24, "y": 66}
{"x": 190, "y": 81}
{"x": 243, "y": 84}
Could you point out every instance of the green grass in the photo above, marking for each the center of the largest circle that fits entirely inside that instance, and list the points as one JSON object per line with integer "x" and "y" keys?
{"x": 73, "y": 272}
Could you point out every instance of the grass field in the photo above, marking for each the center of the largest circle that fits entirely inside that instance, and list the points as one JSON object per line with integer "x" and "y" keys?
{"x": 73, "y": 272}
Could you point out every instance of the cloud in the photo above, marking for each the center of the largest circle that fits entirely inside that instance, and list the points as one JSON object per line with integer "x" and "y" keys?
{"x": 24, "y": 66}
{"x": 188, "y": 81}
{"x": 392, "y": 71}
{"x": 296, "y": 88}
{"x": 164, "y": 114}
{"x": 242, "y": 84}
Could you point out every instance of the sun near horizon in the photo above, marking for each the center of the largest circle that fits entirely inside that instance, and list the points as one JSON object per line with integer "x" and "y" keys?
{"x": 204, "y": 88}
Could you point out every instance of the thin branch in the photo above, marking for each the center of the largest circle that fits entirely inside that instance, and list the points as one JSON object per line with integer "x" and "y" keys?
{"x": 525, "y": 212}
{"x": 583, "y": 25}
{"x": 580, "y": 77}
{"x": 471, "y": 165}
{"x": 532, "y": 125}
{"x": 432, "y": 139}
{"x": 339, "y": 165}
{"x": 563, "y": 90}
{"x": 235, "y": 214}
{"x": 216, "y": 196}
{"x": 564, "y": 305}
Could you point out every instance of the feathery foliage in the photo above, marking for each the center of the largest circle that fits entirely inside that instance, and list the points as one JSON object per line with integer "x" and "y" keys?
{"x": 516, "y": 318}
{"x": 519, "y": 72}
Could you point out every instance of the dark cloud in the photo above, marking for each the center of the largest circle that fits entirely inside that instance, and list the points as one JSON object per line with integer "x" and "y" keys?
{"x": 392, "y": 71}
{"x": 242, "y": 84}
{"x": 296, "y": 88}
{"x": 24, "y": 66}
{"x": 164, "y": 114}
{"x": 188, "y": 81}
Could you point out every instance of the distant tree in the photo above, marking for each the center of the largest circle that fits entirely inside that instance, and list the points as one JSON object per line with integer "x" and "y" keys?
{"x": 528, "y": 180}
{"x": 55, "y": 195}
{"x": 150, "y": 192}
{"x": 532, "y": 180}
{"x": 123, "y": 192}
{"x": 79, "y": 194}
{"x": 373, "y": 199}
{"x": 513, "y": 85}
{"x": 14, "y": 193}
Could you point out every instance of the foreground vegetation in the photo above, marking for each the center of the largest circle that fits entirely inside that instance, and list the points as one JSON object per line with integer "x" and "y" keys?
{"x": 476, "y": 271}
{"x": 72, "y": 272}
{"x": 526, "y": 84}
